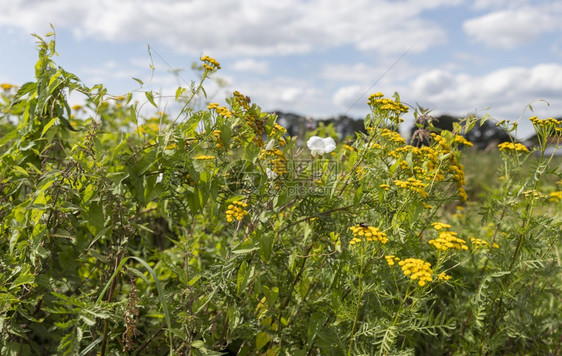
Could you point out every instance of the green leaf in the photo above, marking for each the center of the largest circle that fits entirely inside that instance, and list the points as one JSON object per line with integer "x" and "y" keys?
{"x": 138, "y": 81}
{"x": 96, "y": 217}
{"x": 150, "y": 98}
{"x": 262, "y": 339}
{"x": 48, "y": 125}
{"x": 25, "y": 277}
{"x": 242, "y": 277}
{"x": 21, "y": 170}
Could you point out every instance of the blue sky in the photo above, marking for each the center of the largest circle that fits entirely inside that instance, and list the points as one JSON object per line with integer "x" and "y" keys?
{"x": 311, "y": 57}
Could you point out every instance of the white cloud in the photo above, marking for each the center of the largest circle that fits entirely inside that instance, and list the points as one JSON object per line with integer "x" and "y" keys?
{"x": 290, "y": 95}
{"x": 347, "y": 96}
{"x": 514, "y": 27}
{"x": 249, "y": 27}
{"x": 251, "y": 65}
{"x": 506, "y": 92}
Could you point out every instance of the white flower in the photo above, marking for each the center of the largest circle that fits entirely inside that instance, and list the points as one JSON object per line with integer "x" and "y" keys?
{"x": 319, "y": 145}
{"x": 270, "y": 174}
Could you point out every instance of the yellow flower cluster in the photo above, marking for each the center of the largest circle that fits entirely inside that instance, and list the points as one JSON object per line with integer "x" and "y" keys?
{"x": 386, "y": 187}
{"x": 360, "y": 172}
{"x": 376, "y": 101}
{"x": 555, "y": 196}
{"x": 478, "y": 243}
{"x": 277, "y": 159}
{"x": 221, "y": 110}
{"x": 370, "y": 233}
{"x": 510, "y": 146}
{"x": 277, "y": 131}
{"x": 427, "y": 206}
{"x": 210, "y": 63}
{"x": 7, "y": 86}
{"x": 426, "y": 160}
{"x": 391, "y": 259}
{"x": 393, "y": 136}
{"x": 243, "y": 101}
{"x": 455, "y": 167}
{"x": 448, "y": 240}
{"x": 440, "y": 226}
{"x": 258, "y": 126}
{"x": 217, "y": 134}
{"x": 443, "y": 276}
{"x": 413, "y": 185}
{"x": 460, "y": 139}
{"x": 417, "y": 269}
{"x": 546, "y": 123}
{"x": 204, "y": 158}
{"x": 535, "y": 194}
{"x": 236, "y": 210}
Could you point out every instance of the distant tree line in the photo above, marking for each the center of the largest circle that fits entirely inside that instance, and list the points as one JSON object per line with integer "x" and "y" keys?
{"x": 482, "y": 136}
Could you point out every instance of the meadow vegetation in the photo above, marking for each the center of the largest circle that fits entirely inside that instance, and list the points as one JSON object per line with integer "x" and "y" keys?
{"x": 212, "y": 231}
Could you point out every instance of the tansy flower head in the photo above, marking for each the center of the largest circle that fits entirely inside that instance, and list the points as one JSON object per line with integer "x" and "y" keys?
{"x": 370, "y": 233}
{"x": 417, "y": 269}
{"x": 510, "y": 146}
{"x": 555, "y": 196}
{"x": 448, "y": 240}
{"x": 391, "y": 260}
{"x": 440, "y": 225}
{"x": 479, "y": 243}
{"x": 210, "y": 63}
{"x": 236, "y": 211}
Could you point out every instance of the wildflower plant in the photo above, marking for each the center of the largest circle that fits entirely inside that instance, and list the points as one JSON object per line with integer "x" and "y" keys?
{"x": 213, "y": 231}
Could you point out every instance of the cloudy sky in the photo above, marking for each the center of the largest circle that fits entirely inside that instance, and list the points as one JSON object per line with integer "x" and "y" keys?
{"x": 312, "y": 57}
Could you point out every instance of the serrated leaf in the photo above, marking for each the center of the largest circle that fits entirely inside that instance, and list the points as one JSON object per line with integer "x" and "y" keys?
{"x": 48, "y": 126}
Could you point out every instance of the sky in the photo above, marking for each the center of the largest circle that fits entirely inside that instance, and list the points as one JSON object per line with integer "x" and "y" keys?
{"x": 317, "y": 58}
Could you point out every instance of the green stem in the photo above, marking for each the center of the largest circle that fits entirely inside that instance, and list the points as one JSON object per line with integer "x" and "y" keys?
{"x": 358, "y": 299}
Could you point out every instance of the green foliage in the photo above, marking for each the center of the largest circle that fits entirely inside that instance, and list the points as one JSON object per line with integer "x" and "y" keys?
{"x": 213, "y": 231}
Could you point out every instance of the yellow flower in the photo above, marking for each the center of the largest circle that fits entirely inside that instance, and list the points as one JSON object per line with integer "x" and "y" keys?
{"x": 370, "y": 233}
{"x": 448, "y": 240}
{"x": 417, "y": 269}
{"x": 210, "y": 63}
{"x": 7, "y": 86}
{"x": 204, "y": 158}
{"x": 391, "y": 260}
{"x": 478, "y": 243}
{"x": 462, "y": 140}
{"x": 414, "y": 185}
{"x": 510, "y": 146}
{"x": 555, "y": 196}
{"x": 443, "y": 276}
{"x": 236, "y": 211}
{"x": 439, "y": 225}
{"x": 393, "y": 136}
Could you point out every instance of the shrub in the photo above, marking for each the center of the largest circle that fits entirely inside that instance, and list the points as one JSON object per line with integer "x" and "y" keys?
{"x": 214, "y": 232}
